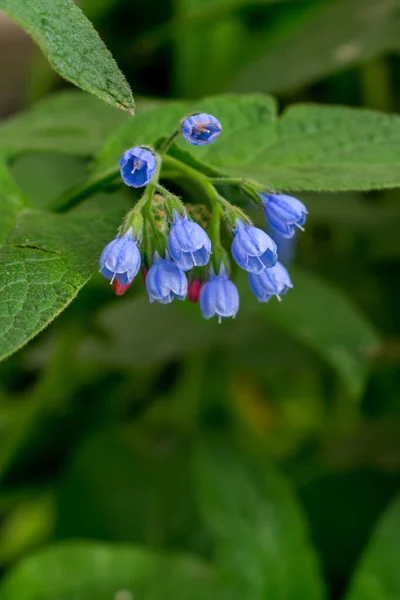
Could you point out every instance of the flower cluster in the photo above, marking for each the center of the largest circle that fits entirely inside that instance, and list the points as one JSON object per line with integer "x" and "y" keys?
{"x": 179, "y": 258}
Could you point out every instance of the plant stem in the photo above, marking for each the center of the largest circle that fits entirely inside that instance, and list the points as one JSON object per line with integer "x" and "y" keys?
{"x": 168, "y": 142}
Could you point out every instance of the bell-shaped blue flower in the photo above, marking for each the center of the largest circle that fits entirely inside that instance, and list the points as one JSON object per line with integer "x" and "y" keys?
{"x": 284, "y": 213}
{"x": 201, "y": 129}
{"x": 252, "y": 248}
{"x": 165, "y": 281}
{"x": 219, "y": 296}
{"x": 120, "y": 259}
{"x": 274, "y": 281}
{"x": 188, "y": 243}
{"x": 138, "y": 166}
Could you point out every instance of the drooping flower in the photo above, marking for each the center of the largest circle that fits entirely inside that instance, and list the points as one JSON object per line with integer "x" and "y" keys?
{"x": 201, "y": 129}
{"x": 138, "y": 165}
{"x": 252, "y": 248}
{"x": 219, "y": 296}
{"x": 284, "y": 213}
{"x": 165, "y": 281}
{"x": 194, "y": 289}
{"x": 120, "y": 259}
{"x": 274, "y": 281}
{"x": 188, "y": 243}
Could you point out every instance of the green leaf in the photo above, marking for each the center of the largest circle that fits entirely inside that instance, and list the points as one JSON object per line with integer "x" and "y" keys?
{"x": 259, "y": 529}
{"x": 131, "y": 484}
{"x": 310, "y": 147}
{"x": 69, "y": 122}
{"x": 88, "y": 571}
{"x": 323, "y": 319}
{"x": 73, "y": 47}
{"x": 46, "y": 258}
{"x": 378, "y": 575}
{"x": 328, "y": 39}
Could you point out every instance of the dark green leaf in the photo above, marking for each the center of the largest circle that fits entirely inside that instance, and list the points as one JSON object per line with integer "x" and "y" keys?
{"x": 88, "y": 571}
{"x": 334, "y": 37}
{"x": 325, "y": 320}
{"x": 260, "y": 535}
{"x": 378, "y": 575}
{"x": 73, "y": 47}
{"x": 132, "y": 485}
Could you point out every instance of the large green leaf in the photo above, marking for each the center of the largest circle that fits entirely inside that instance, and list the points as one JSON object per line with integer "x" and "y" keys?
{"x": 325, "y": 320}
{"x": 378, "y": 575}
{"x": 73, "y": 47}
{"x": 46, "y": 258}
{"x": 334, "y": 37}
{"x": 88, "y": 571}
{"x": 309, "y": 147}
{"x": 259, "y": 529}
{"x": 69, "y": 122}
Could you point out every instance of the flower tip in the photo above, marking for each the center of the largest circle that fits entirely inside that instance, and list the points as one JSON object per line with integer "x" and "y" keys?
{"x": 119, "y": 288}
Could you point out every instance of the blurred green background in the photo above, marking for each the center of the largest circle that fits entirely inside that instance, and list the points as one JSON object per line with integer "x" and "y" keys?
{"x": 103, "y": 414}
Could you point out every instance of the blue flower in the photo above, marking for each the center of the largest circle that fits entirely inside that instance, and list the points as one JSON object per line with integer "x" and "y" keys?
{"x": 201, "y": 129}
{"x": 274, "y": 281}
{"x": 284, "y": 213}
{"x": 188, "y": 243}
{"x": 120, "y": 259}
{"x": 166, "y": 281}
{"x": 138, "y": 166}
{"x": 252, "y": 248}
{"x": 219, "y": 296}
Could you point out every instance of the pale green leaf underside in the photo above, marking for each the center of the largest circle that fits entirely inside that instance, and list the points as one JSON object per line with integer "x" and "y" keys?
{"x": 46, "y": 259}
{"x": 378, "y": 574}
{"x": 73, "y": 47}
{"x": 90, "y": 570}
{"x": 259, "y": 530}
{"x": 322, "y": 318}
{"x": 309, "y": 147}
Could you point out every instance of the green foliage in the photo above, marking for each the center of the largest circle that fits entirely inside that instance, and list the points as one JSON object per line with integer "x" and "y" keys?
{"x": 258, "y": 527}
{"x": 69, "y": 122}
{"x": 73, "y": 47}
{"x": 324, "y": 319}
{"x": 81, "y": 571}
{"x": 46, "y": 259}
{"x": 332, "y": 38}
{"x": 148, "y": 453}
{"x": 377, "y": 576}
{"x": 308, "y": 148}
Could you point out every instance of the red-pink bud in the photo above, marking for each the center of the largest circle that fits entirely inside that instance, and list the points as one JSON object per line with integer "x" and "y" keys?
{"x": 144, "y": 273}
{"x": 119, "y": 288}
{"x": 194, "y": 289}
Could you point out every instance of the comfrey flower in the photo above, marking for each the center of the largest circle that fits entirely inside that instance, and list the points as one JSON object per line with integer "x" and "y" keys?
{"x": 274, "y": 281}
{"x": 284, "y": 213}
{"x": 201, "y": 129}
{"x": 188, "y": 243}
{"x": 138, "y": 165}
{"x": 120, "y": 259}
{"x": 165, "y": 281}
{"x": 219, "y": 296}
{"x": 252, "y": 248}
